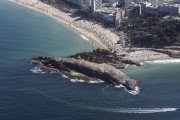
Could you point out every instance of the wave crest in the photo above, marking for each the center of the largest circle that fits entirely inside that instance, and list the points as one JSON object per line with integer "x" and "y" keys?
{"x": 84, "y": 37}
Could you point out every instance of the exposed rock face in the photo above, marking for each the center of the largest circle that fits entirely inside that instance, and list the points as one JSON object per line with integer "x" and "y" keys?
{"x": 174, "y": 54}
{"x": 103, "y": 71}
{"x": 170, "y": 52}
{"x": 131, "y": 62}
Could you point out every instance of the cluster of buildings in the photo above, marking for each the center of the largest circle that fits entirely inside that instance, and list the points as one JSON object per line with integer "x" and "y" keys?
{"x": 87, "y": 5}
{"x": 165, "y": 7}
{"x": 114, "y": 11}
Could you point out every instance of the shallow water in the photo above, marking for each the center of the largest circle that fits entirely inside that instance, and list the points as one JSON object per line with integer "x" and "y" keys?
{"x": 24, "y": 95}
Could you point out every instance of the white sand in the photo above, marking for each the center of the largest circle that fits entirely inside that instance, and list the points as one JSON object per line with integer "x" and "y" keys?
{"x": 144, "y": 55}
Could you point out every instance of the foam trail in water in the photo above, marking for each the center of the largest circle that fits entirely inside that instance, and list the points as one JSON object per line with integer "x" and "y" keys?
{"x": 84, "y": 37}
{"x": 37, "y": 70}
{"x": 164, "y": 61}
{"x": 134, "y": 110}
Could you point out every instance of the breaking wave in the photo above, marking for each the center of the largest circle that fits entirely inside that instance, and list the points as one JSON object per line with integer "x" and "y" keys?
{"x": 80, "y": 80}
{"x": 64, "y": 76}
{"x": 96, "y": 81}
{"x": 133, "y": 92}
{"x": 164, "y": 61}
{"x": 84, "y": 37}
{"x": 91, "y": 81}
{"x": 76, "y": 80}
{"x": 134, "y": 110}
{"x": 37, "y": 70}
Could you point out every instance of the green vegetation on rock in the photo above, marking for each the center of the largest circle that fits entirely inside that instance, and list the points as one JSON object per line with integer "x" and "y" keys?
{"x": 98, "y": 56}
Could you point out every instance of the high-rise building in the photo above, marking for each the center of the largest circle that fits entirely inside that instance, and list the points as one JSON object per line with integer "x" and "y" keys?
{"x": 133, "y": 11}
{"x": 85, "y": 5}
{"x": 96, "y": 5}
{"x": 160, "y": 2}
{"x": 93, "y": 5}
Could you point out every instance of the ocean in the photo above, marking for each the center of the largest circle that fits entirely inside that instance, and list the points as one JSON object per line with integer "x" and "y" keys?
{"x": 24, "y": 95}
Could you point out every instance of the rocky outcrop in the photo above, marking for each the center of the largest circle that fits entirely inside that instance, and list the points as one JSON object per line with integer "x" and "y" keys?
{"x": 172, "y": 47}
{"x": 103, "y": 71}
{"x": 170, "y": 52}
{"x": 130, "y": 62}
{"x": 174, "y": 54}
{"x": 104, "y": 56}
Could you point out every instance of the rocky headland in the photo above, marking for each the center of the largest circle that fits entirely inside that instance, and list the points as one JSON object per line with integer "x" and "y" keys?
{"x": 90, "y": 66}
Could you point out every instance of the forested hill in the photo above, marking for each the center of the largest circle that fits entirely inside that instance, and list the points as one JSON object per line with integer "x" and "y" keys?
{"x": 152, "y": 31}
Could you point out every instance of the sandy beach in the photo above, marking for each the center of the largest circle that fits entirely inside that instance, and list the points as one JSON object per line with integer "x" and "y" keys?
{"x": 90, "y": 30}
{"x": 96, "y": 32}
{"x": 146, "y": 55}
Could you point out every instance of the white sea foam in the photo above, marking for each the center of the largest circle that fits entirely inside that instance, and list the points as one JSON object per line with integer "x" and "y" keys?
{"x": 133, "y": 92}
{"x": 134, "y": 110}
{"x": 141, "y": 63}
{"x": 64, "y": 76}
{"x": 76, "y": 80}
{"x": 79, "y": 80}
{"x": 92, "y": 81}
{"x": 96, "y": 81}
{"x": 164, "y": 61}
{"x": 126, "y": 66}
{"x": 119, "y": 86}
{"x": 37, "y": 70}
{"x": 84, "y": 37}
{"x": 54, "y": 72}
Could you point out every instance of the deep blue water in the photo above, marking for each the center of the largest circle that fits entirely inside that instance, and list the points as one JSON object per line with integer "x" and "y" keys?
{"x": 24, "y": 95}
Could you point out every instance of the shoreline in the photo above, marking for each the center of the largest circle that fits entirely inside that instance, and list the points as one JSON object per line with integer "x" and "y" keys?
{"x": 93, "y": 33}
{"x": 147, "y": 55}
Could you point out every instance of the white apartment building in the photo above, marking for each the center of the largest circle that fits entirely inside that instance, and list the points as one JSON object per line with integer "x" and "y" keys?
{"x": 96, "y": 5}
{"x": 169, "y": 9}
{"x": 159, "y": 2}
{"x": 87, "y": 5}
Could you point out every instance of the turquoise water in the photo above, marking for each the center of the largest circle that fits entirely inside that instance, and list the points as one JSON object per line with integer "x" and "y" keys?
{"x": 24, "y": 95}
